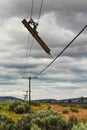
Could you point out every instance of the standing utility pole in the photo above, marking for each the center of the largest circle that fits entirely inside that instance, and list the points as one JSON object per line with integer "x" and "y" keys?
{"x": 29, "y": 78}
{"x": 29, "y": 90}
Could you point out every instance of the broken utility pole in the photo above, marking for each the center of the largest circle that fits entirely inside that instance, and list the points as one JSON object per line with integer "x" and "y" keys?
{"x": 36, "y": 36}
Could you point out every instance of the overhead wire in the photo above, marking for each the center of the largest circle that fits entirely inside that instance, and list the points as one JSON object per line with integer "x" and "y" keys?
{"x": 40, "y": 11}
{"x": 62, "y": 51}
{"x": 75, "y": 50}
{"x": 27, "y": 48}
{"x": 32, "y": 42}
{"x": 32, "y": 6}
{"x": 26, "y": 56}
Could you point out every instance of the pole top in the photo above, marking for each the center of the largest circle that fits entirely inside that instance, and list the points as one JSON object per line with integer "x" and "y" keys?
{"x": 29, "y": 77}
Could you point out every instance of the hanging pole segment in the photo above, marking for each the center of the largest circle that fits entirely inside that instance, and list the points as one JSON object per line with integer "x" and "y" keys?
{"x": 36, "y": 36}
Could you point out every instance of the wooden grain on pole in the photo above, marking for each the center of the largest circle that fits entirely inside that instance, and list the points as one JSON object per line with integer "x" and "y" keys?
{"x": 36, "y": 36}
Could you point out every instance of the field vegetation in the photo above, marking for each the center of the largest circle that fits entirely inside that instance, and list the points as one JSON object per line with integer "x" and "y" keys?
{"x": 19, "y": 115}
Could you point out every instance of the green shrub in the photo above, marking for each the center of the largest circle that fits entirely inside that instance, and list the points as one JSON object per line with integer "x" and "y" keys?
{"x": 6, "y": 123}
{"x": 84, "y": 120}
{"x": 35, "y": 103}
{"x": 0, "y": 107}
{"x": 46, "y": 113}
{"x": 50, "y": 120}
{"x": 74, "y": 109}
{"x": 26, "y": 107}
{"x": 35, "y": 127}
{"x": 48, "y": 107}
{"x": 25, "y": 123}
{"x": 14, "y": 104}
{"x": 65, "y": 111}
{"x": 19, "y": 107}
{"x": 52, "y": 123}
{"x": 73, "y": 121}
{"x": 2, "y": 126}
{"x": 80, "y": 127}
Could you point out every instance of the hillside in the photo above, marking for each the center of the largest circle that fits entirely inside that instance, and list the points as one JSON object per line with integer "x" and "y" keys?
{"x": 70, "y": 100}
{"x": 8, "y": 98}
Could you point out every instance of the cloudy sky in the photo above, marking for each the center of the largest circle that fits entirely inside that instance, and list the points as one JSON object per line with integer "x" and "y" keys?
{"x": 21, "y": 55}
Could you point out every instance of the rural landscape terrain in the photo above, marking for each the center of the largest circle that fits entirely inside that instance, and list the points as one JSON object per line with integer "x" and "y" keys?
{"x": 16, "y": 114}
{"x": 43, "y": 65}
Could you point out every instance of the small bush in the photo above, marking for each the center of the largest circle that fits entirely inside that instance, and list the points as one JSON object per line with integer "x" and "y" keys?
{"x": 19, "y": 107}
{"x": 0, "y": 107}
{"x": 73, "y": 121}
{"x": 25, "y": 123}
{"x": 35, "y": 127}
{"x": 80, "y": 127}
{"x": 35, "y": 103}
{"x": 74, "y": 109}
{"x": 65, "y": 111}
{"x": 14, "y": 104}
{"x": 84, "y": 120}
{"x": 48, "y": 107}
{"x": 50, "y": 120}
{"x": 7, "y": 123}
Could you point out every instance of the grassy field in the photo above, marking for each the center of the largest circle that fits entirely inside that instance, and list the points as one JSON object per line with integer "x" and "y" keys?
{"x": 67, "y": 111}
{"x": 4, "y": 109}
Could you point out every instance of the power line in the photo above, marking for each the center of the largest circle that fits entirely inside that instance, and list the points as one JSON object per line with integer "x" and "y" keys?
{"x": 32, "y": 6}
{"x": 26, "y": 56}
{"x": 61, "y": 51}
{"x": 40, "y": 11}
{"x": 31, "y": 47}
{"x": 28, "y": 52}
{"x": 27, "y": 49}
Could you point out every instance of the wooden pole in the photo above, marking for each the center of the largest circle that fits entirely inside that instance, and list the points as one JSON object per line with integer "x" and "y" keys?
{"x": 36, "y": 36}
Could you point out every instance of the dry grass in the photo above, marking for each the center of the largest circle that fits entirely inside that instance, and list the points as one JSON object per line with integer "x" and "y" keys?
{"x": 81, "y": 114}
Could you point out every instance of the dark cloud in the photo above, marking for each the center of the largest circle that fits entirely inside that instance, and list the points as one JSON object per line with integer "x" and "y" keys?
{"x": 60, "y": 22}
{"x": 68, "y": 88}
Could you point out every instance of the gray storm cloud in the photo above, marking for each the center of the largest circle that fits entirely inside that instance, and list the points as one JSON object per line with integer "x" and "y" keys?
{"x": 60, "y": 22}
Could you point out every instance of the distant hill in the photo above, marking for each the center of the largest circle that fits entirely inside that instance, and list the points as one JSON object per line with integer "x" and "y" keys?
{"x": 8, "y": 98}
{"x": 46, "y": 100}
{"x": 71, "y": 100}
{"x": 74, "y": 100}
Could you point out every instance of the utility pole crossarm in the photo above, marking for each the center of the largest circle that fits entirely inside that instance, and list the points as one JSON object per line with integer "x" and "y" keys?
{"x": 36, "y": 36}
